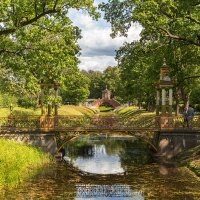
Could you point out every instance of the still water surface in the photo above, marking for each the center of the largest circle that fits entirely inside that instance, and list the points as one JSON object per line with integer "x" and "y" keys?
{"x": 101, "y": 168}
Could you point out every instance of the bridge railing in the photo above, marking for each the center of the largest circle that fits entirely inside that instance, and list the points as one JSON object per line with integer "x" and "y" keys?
{"x": 179, "y": 122}
{"x": 48, "y": 123}
{"x": 21, "y": 122}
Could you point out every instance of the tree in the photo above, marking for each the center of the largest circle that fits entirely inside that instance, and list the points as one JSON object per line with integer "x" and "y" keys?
{"x": 96, "y": 83}
{"x": 173, "y": 19}
{"x": 170, "y": 30}
{"x": 38, "y": 42}
{"x": 15, "y": 14}
{"x": 138, "y": 73}
{"x": 75, "y": 88}
{"x": 111, "y": 77}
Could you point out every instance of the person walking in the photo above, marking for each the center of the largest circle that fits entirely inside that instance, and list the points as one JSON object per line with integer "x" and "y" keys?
{"x": 190, "y": 115}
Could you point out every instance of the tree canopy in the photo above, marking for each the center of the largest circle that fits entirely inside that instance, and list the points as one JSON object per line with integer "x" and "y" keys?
{"x": 38, "y": 42}
{"x": 170, "y": 30}
{"x": 173, "y": 19}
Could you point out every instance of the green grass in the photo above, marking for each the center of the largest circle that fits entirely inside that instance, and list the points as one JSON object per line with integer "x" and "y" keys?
{"x": 126, "y": 110}
{"x": 190, "y": 158}
{"x": 140, "y": 118}
{"x": 18, "y": 162}
{"x": 76, "y": 111}
{"x": 63, "y": 110}
{"x": 105, "y": 108}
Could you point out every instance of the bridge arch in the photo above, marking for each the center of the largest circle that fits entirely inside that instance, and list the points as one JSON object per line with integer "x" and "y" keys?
{"x": 107, "y": 102}
{"x": 146, "y": 137}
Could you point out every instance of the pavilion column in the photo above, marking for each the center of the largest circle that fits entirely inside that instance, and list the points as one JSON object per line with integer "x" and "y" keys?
{"x": 163, "y": 101}
{"x": 41, "y": 101}
{"x": 170, "y": 101}
{"x": 157, "y": 102}
{"x": 56, "y": 104}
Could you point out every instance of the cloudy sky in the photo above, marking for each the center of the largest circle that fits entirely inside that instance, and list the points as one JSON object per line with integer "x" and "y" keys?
{"x": 98, "y": 48}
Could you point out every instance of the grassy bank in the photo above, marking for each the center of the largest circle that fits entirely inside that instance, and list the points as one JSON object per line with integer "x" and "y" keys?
{"x": 140, "y": 118}
{"x": 18, "y": 162}
{"x": 63, "y": 110}
{"x": 190, "y": 158}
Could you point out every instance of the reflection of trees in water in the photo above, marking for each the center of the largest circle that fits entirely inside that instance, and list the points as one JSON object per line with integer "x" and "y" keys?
{"x": 134, "y": 153}
{"x": 131, "y": 152}
{"x": 80, "y": 148}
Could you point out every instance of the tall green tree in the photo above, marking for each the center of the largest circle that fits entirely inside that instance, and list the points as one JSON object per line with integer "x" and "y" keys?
{"x": 97, "y": 83}
{"x": 38, "y": 42}
{"x": 170, "y": 30}
{"x": 75, "y": 87}
{"x": 111, "y": 77}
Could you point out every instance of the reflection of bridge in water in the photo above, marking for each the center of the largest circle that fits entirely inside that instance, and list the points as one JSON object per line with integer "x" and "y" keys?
{"x": 89, "y": 191}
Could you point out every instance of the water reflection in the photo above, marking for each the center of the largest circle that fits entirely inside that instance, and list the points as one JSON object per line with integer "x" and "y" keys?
{"x": 59, "y": 181}
{"x": 107, "y": 155}
{"x": 99, "y": 162}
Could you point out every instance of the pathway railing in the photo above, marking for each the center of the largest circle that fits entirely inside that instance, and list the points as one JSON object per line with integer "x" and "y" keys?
{"x": 49, "y": 123}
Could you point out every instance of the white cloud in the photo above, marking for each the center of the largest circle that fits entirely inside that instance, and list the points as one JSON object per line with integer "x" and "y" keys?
{"x": 96, "y": 62}
{"x": 98, "y": 48}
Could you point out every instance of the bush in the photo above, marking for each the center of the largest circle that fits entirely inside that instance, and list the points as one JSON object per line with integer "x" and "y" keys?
{"x": 197, "y": 107}
{"x": 27, "y": 103}
{"x": 6, "y": 100}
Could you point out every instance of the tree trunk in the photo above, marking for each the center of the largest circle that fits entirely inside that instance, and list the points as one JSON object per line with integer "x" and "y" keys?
{"x": 186, "y": 98}
{"x": 177, "y": 108}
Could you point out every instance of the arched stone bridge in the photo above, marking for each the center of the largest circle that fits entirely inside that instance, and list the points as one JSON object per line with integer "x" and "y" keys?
{"x": 51, "y": 132}
{"x": 107, "y": 102}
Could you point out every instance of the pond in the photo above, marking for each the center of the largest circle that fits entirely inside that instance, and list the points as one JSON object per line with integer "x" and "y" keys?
{"x": 107, "y": 168}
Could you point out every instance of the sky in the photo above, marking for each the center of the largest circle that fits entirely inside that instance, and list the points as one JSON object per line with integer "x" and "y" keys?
{"x": 97, "y": 47}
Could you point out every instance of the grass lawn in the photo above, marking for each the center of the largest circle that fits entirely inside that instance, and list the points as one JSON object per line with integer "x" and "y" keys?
{"x": 63, "y": 110}
{"x": 19, "y": 161}
{"x": 133, "y": 114}
{"x": 190, "y": 158}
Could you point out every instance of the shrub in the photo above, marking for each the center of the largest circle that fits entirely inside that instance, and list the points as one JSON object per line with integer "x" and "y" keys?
{"x": 27, "y": 103}
{"x": 6, "y": 100}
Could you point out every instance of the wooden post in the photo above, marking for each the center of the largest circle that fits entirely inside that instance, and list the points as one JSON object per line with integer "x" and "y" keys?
{"x": 157, "y": 102}
{"x": 41, "y": 99}
{"x": 49, "y": 109}
{"x": 56, "y": 85}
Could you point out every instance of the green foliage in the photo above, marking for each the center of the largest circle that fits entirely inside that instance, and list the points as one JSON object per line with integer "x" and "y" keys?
{"x": 97, "y": 83}
{"x": 6, "y": 100}
{"x": 76, "y": 88}
{"x": 38, "y": 42}
{"x": 27, "y": 103}
{"x": 110, "y": 77}
{"x": 63, "y": 110}
{"x": 170, "y": 30}
{"x": 18, "y": 162}
{"x": 174, "y": 19}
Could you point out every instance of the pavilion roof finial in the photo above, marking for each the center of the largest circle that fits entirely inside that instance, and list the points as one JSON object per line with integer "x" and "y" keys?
{"x": 164, "y": 63}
